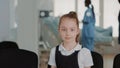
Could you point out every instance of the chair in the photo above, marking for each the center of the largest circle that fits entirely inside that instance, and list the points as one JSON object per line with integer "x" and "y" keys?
{"x": 97, "y": 60}
{"x": 116, "y": 61}
{"x": 13, "y": 57}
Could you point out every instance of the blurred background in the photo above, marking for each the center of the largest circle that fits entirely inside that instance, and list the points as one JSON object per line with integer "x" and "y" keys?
{"x": 33, "y": 25}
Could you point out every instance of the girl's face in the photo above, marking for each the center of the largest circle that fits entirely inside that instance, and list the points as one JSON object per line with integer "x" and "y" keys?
{"x": 68, "y": 29}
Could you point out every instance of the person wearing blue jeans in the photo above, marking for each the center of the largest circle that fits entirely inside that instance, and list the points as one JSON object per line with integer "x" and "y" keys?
{"x": 88, "y": 26}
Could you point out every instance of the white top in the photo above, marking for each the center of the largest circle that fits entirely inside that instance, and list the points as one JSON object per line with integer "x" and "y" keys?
{"x": 84, "y": 55}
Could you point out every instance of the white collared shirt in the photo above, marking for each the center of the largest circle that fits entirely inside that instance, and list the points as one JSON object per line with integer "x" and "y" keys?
{"x": 84, "y": 56}
{"x": 66, "y": 52}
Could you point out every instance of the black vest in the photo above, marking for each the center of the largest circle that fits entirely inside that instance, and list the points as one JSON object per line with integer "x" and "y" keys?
{"x": 70, "y": 61}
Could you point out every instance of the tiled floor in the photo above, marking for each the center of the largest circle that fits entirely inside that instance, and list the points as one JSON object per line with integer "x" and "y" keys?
{"x": 108, "y": 61}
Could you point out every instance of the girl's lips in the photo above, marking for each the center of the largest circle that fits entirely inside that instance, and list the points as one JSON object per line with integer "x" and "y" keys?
{"x": 67, "y": 37}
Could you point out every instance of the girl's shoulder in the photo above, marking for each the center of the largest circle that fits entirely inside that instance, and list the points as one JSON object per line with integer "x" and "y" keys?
{"x": 53, "y": 49}
{"x": 85, "y": 51}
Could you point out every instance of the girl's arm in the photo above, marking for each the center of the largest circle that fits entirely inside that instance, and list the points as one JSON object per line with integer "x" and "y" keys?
{"x": 51, "y": 61}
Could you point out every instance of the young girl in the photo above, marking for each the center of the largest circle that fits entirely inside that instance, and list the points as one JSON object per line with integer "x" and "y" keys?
{"x": 69, "y": 54}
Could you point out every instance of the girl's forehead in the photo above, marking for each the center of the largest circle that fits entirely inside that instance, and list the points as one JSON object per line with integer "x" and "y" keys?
{"x": 68, "y": 23}
{"x": 68, "y": 20}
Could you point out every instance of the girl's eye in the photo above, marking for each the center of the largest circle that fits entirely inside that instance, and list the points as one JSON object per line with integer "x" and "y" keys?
{"x": 72, "y": 29}
{"x": 63, "y": 29}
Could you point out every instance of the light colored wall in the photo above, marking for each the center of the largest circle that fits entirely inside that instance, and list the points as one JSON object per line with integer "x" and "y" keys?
{"x": 45, "y": 4}
{"x": 27, "y": 19}
{"x": 111, "y": 10}
{"x": 4, "y": 19}
{"x": 27, "y": 33}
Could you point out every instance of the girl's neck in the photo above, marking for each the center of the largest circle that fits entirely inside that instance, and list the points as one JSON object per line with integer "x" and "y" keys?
{"x": 69, "y": 46}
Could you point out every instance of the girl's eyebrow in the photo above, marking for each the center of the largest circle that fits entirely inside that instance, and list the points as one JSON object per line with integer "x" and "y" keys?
{"x": 65, "y": 27}
{"x": 73, "y": 27}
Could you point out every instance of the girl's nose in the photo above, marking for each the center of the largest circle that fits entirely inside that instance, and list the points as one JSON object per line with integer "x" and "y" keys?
{"x": 67, "y": 32}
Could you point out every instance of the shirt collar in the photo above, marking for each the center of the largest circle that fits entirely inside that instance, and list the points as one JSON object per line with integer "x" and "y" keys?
{"x": 78, "y": 47}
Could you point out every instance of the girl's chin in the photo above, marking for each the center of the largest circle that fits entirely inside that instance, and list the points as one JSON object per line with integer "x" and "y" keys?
{"x": 68, "y": 40}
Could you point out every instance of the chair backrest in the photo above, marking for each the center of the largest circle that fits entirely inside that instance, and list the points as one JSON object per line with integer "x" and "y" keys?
{"x": 13, "y": 57}
{"x": 116, "y": 61}
{"x": 97, "y": 60}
